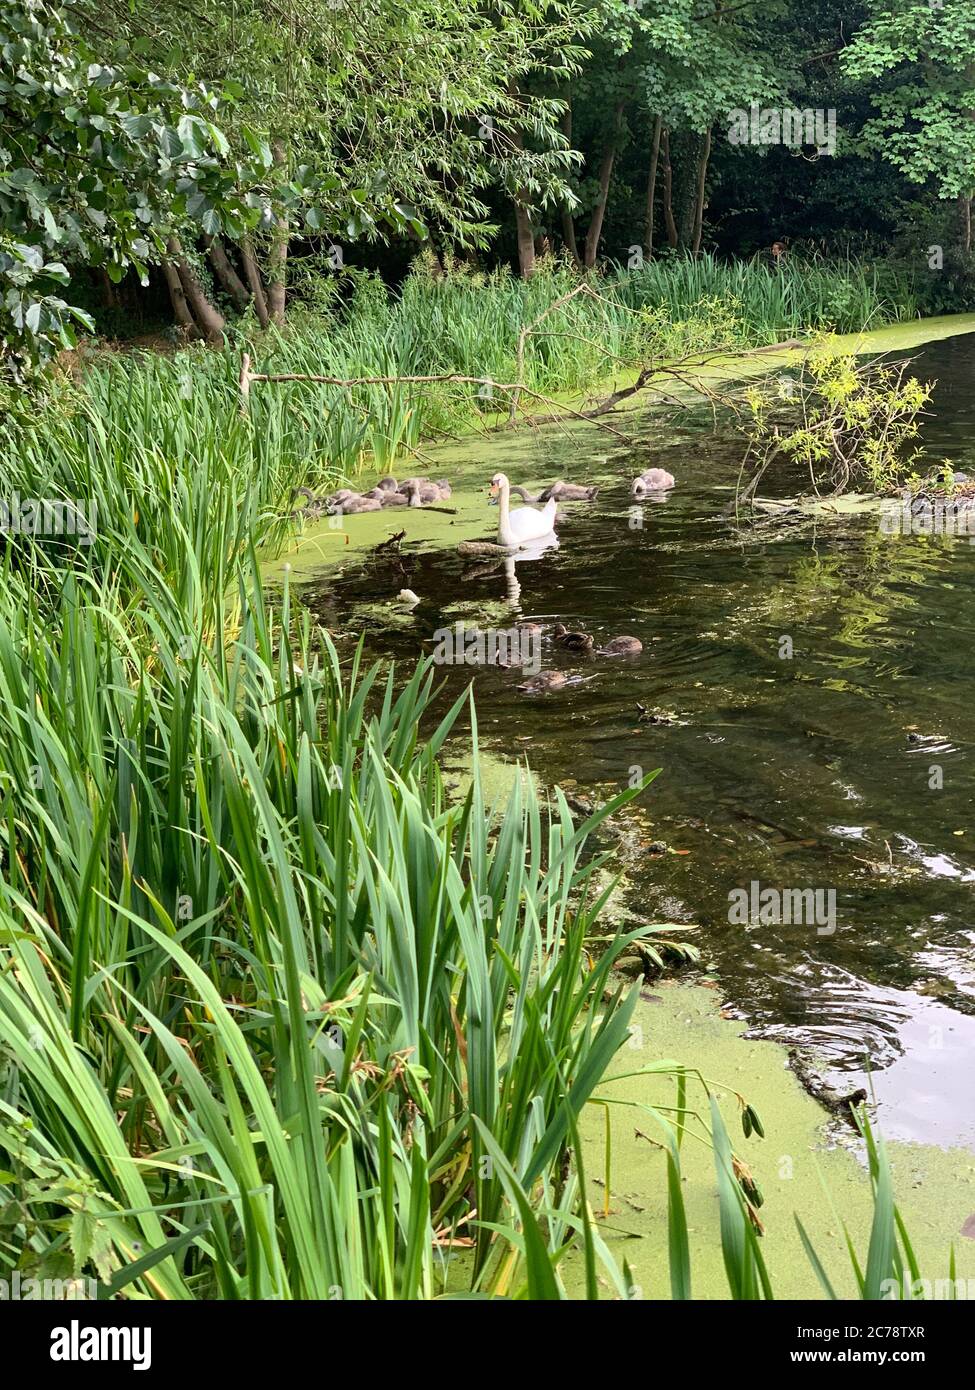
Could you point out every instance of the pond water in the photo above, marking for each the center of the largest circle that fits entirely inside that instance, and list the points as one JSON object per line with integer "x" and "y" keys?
{"x": 845, "y": 767}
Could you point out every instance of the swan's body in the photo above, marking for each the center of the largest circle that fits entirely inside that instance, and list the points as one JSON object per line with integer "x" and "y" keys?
{"x": 652, "y": 480}
{"x": 348, "y": 506}
{"x": 560, "y": 490}
{"x": 524, "y": 524}
{"x": 385, "y": 497}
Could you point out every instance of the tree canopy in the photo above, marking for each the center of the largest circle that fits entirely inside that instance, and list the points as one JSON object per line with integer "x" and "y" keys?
{"x": 211, "y": 149}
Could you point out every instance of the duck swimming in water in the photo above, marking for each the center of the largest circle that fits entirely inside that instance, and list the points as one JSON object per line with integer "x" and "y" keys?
{"x": 516, "y": 528}
{"x": 573, "y": 641}
{"x": 621, "y": 646}
{"x": 548, "y": 680}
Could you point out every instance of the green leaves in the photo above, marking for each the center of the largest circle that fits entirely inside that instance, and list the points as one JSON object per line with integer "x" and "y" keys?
{"x": 89, "y": 155}
{"x": 917, "y": 62}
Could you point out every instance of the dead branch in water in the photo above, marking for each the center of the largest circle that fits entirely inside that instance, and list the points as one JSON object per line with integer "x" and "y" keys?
{"x": 682, "y": 370}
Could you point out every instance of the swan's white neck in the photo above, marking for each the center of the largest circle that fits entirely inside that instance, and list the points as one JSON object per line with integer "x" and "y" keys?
{"x": 504, "y": 515}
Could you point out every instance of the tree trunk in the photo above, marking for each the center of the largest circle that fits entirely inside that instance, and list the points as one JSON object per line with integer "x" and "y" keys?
{"x": 568, "y": 222}
{"x": 965, "y": 222}
{"x": 109, "y": 295}
{"x": 669, "y": 222}
{"x": 278, "y": 257}
{"x": 526, "y": 237}
{"x": 278, "y": 271}
{"x": 569, "y": 236}
{"x": 652, "y": 189}
{"x": 226, "y": 274}
{"x": 702, "y": 172}
{"x": 685, "y": 151}
{"x": 209, "y": 319}
{"x": 253, "y": 273}
{"x": 181, "y": 310}
{"x": 605, "y": 174}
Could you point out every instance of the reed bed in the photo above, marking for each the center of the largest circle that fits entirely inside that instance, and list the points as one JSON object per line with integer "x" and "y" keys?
{"x": 145, "y": 405}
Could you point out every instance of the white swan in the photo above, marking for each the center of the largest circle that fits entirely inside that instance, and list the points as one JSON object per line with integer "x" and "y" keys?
{"x": 524, "y": 523}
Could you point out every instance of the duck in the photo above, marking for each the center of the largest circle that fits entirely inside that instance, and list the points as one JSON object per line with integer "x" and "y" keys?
{"x": 652, "y": 480}
{"x": 523, "y": 524}
{"x": 313, "y": 505}
{"x": 548, "y": 680}
{"x": 574, "y": 641}
{"x": 621, "y": 646}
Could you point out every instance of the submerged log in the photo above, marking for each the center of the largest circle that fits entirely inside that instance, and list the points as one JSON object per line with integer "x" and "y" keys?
{"x": 482, "y": 548}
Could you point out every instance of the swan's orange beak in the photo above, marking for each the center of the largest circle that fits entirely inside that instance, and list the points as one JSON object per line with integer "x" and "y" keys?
{"x": 494, "y": 489}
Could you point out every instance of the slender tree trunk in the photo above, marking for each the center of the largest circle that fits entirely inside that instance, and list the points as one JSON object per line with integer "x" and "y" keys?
{"x": 253, "y": 273}
{"x": 226, "y": 274}
{"x": 965, "y": 222}
{"x": 669, "y": 222}
{"x": 278, "y": 273}
{"x": 526, "y": 237}
{"x": 209, "y": 319}
{"x": 569, "y": 236}
{"x": 181, "y": 310}
{"x": 605, "y": 174}
{"x": 278, "y": 257}
{"x": 109, "y": 294}
{"x": 523, "y": 222}
{"x": 702, "y": 173}
{"x": 652, "y": 188}
{"x": 685, "y": 153}
{"x": 568, "y": 221}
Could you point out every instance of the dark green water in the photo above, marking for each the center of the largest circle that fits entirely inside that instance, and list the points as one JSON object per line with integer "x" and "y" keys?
{"x": 809, "y": 772}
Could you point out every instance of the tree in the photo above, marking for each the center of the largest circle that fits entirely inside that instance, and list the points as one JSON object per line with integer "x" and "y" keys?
{"x": 97, "y": 162}
{"x": 379, "y": 119}
{"x": 660, "y": 76}
{"x": 923, "y": 57}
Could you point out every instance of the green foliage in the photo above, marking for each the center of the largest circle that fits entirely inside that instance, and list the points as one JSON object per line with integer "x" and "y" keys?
{"x": 96, "y": 159}
{"x": 920, "y": 60}
{"x": 843, "y": 422}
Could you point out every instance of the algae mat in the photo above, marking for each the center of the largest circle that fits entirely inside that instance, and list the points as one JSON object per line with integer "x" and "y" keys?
{"x": 806, "y": 1164}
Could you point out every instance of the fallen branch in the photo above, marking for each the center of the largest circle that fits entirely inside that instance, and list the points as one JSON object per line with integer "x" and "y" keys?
{"x": 681, "y": 370}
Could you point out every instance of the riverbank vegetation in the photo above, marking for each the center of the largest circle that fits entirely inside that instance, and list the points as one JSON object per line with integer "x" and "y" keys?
{"x": 278, "y": 1017}
{"x": 177, "y": 404}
